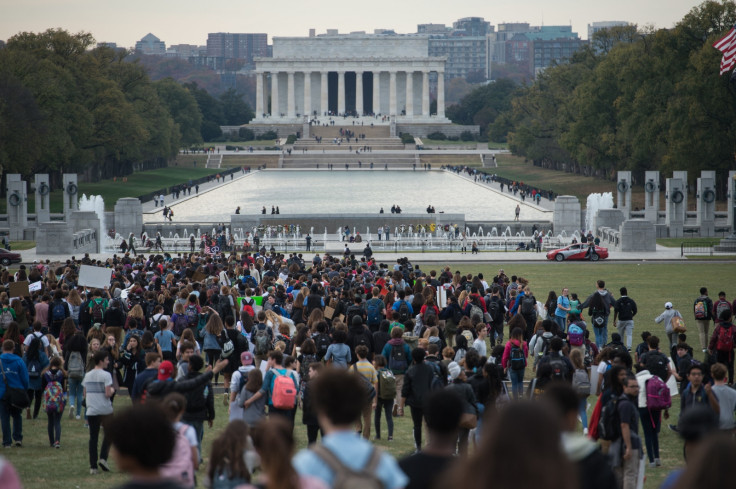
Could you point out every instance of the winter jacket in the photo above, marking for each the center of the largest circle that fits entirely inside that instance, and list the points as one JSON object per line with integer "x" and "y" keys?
{"x": 16, "y": 373}
{"x": 417, "y": 384}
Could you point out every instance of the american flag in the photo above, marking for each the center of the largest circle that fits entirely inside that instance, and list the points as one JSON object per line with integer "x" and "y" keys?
{"x": 727, "y": 45}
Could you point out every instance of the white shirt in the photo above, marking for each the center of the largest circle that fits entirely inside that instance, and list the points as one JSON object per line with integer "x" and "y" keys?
{"x": 37, "y": 334}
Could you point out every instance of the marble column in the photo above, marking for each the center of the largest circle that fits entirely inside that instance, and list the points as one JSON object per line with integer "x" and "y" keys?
{"x": 410, "y": 94}
{"x": 359, "y": 92}
{"x": 323, "y": 93}
{"x": 340, "y": 93}
{"x": 392, "y": 93}
{"x": 259, "y": 95}
{"x": 425, "y": 94}
{"x": 290, "y": 105}
{"x": 441, "y": 94}
{"x": 275, "y": 109}
{"x": 308, "y": 93}
{"x": 376, "y": 92}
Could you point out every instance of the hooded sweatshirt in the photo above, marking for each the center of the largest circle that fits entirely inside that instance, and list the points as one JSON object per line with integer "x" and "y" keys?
{"x": 387, "y": 352}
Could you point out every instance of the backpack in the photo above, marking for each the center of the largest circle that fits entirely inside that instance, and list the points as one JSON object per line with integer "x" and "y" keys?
{"x": 386, "y": 384}
{"x": 97, "y": 311}
{"x": 75, "y": 366}
{"x": 517, "y": 360}
{"x": 725, "y": 338}
{"x": 720, "y": 307}
{"x": 347, "y": 478}
{"x": 262, "y": 341}
{"x": 248, "y": 307}
{"x": 373, "y": 310}
{"x": 429, "y": 312}
{"x": 625, "y": 309}
{"x": 365, "y": 340}
{"x": 528, "y": 305}
{"x": 192, "y": 315}
{"x": 598, "y": 317}
{"x": 34, "y": 367}
{"x": 575, "y": 335}
{"x": 436, "y": 382}
{"x": 581, "y": 382}
{"x": 559, "y": 368}
{"x": 545, "y": 345}
{"x": 6, "y": 317}
{"x": 658, "y": 394}
{"x": 53, "y": 394}
{"x": 657, "y": 364}
{"x": 475, "y": 310}
{"x": 179, "y": 467}
{"x": 700, "y": 309}
{"x": 181, "y": 323}
{"x": 322, "y": 342}
{"x": 283, "y": 395}
{"x": 609, "y": 424}
{"x": 307, "y": 360}
{"x": 58, "y": 312}
{"x": 403, "y": 312}
{"x": 398, "y": 361}
{"x": 494, "y": 310}
{"x": 150, "y": 306}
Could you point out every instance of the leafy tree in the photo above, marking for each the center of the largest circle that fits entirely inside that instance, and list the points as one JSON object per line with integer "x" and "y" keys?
{"x": 183, "y": 108}
{"x": 235, "y": 111}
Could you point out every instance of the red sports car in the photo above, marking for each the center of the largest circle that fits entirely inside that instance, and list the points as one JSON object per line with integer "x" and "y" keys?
{"x": 577, "y": 251}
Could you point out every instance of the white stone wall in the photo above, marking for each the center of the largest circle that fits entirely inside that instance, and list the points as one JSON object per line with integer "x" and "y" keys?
{"x": 351, "y": 46}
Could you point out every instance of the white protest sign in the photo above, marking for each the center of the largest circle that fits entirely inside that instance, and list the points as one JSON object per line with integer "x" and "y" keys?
{"x": 96, "y": 277}
{"x": 35, "y": 286}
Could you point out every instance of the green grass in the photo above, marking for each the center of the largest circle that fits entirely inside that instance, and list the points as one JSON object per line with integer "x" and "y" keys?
{"x": 494, "y": 145}
{"x": 22, "y": 245}
{"x": 649, "y": 284}
{"x": 446, "y": 142}
{"x": 676, "y": 242}
{"x": 250, "y": 142}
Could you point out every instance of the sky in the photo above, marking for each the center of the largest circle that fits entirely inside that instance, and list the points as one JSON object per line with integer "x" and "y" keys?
{"x": 189, "y": 21}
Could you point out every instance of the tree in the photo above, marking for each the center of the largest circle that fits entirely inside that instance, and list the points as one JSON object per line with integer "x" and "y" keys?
{"x": 235, "y": 111}
{"x": 183, "y": 108}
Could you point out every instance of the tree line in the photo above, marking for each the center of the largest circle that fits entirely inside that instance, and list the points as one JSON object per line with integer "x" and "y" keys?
{"x": 66, "y": 107}
{"x": 635, "y": 99}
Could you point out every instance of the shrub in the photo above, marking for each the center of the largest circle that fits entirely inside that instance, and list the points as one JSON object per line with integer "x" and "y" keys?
{"x": 407, "y": 138}
{"x": 291, "y": 139}
{"x": 467, "y": 136}
{"x": 246, "y": 134}
{"x": 436, "y": 135}
{"x": 267, "y": 135}
{"x": 453, "y": 138}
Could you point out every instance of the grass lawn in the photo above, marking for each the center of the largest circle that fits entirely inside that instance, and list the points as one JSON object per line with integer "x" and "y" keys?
{"x": 676, "y": 242}
{"x": 649, "y": 284}
{"x": 251, "y": 142}
{"x": 429, "y": 143}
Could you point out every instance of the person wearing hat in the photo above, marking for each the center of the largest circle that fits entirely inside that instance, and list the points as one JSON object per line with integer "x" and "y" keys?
{"x": 165, "y": 383}
{"x": 239, "y": 379}
{"x": 666, "y": 318}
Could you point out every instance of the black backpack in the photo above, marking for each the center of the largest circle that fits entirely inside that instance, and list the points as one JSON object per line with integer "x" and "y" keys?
{"x": 609, "y": 424}
{"x": 494, "y": 310}
{"x": 625, "y": 309}
{"x": 657, "y": 364}
{"x": 559, "y": 368}
{"x": 403, "y": 312}
{"x": 322, "y": 342}
{"x": 398, "y": 361}
{"x": 528, "y": 305}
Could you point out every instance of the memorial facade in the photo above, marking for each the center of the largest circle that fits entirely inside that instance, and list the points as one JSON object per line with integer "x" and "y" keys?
{"x": 349, "y": 75}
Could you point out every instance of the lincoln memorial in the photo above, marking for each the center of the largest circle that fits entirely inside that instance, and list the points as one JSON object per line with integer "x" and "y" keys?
{"x": 351, "y": 75}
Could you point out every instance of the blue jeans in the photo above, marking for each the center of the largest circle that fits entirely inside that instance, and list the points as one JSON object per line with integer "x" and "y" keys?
{"x": 650, "y": 424}
{"x": 198, "y": 426}
{"x": 54, "y": 426}
{"x": 76, "y": 395}
{"x": 601, "y": 334}
{"x": 561, "y": 322}
{"x": 7, "y": 412}
{"x": 583, "y": 412}
{"x": 517, "y": 383}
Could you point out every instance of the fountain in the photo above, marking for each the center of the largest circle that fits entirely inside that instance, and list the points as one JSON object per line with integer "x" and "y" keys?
{"x": 480, "y": 230}
{"x": 594, "y": 203}
{"x": 96, "y": 204}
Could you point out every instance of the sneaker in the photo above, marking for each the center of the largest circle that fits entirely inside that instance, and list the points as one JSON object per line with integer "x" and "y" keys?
{"x": 103, "y": 465}
{"x": 18, "y": 444}
{"x": 71, "y": 412}
{"x": 390, "y": 438}
{"x": 651, "y": 465}
{"x": 57, "y": 445}
{"x": 226, "y": 399}
{"x": 673, "y": 428}
{"x": 79, "y": 417}
{"x": 92, "y": 471}
{"x": 585, "y": 431}
{"x": 657, "y": 462}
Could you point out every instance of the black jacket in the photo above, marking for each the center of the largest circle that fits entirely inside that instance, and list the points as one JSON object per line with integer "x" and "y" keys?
{"x": 417, "y": 384}
{"x": 159, "y": 389}
{"x": 200, "y": 401}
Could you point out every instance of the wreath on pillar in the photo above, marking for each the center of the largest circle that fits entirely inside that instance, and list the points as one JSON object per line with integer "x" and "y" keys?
{"x": 677, "y": 197}
{"x": 623, "y": 186}
{"x": 71, "y": 189}
{"x": 649, "y": 187}
{"x": 43, "y": 189}
{"x": 14, "y": 199}
{"x": 709, "y": 196}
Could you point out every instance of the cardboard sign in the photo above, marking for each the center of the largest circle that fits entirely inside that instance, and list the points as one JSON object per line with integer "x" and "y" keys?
{"x": 441, "y": 297}
{"x": 95, "y": 277}
{"x": 329, "y": 312}
{"x": 198, "y": 276}
{"x": 18, "y": 289}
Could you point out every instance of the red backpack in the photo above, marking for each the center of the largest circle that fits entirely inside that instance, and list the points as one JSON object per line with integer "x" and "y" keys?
{"x": 283, "y": 395}
{"x": 725, "y": 338}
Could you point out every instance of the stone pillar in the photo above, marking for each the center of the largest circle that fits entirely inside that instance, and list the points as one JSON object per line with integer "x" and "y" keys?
{"x": 290, "y": 103}
{"x": 376, "y": 92}
{"x": 651, "y": 196}
{"x": 308, "y": 94}
{"x": 441, "y": 94}
{"x": 410, "y": 94}
{"x": 128, "y": 217}
{"x": 731, "y": 201}
{"x": 682, "y": 175}
{"x": 275, "y": 109}
{"x": 359, "y": 92}
{"x": 566, "y": 217}
{"x": 340, "y": 93}
{"x": 259, "y": 95}
{"x": 17, "y": 206}
{"x": 706, "y": 203}
{"x": 392, "y": 93}
{"x": 623, "y": 193}
{"x": 71, "y": 194}
{"x": 675, "y": 206}
{"x": 323, "y": 105}
{"x": 43, "y": 190}
{"x": 425, "y": 94}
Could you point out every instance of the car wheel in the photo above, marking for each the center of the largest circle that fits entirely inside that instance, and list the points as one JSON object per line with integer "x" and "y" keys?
{"x": 5, "y": 262}
{"x": 559, "y": 257}
{"x": 594, "y": 257}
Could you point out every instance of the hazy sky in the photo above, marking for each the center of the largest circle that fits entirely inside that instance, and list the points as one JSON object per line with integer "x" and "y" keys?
{"x": 189, "y": 21}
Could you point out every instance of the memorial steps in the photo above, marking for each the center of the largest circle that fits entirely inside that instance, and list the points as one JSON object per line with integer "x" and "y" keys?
{"x": 328, "y": 144}
{"x": 377, "y": 131}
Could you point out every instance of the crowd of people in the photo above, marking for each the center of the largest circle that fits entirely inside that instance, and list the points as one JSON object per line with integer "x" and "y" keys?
{"x": 348, "y": 343}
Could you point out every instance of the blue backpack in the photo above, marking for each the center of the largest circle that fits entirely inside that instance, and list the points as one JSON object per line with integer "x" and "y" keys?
{"x": 58, "y": 312}
{"x": 373, "y": 311}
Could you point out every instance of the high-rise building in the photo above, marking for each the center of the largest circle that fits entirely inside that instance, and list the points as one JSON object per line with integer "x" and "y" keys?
{"x": 186, "y": 51}
{"x": 464, "y": 45}
{"x": 151, "y": 44}
{"x": 597, "y": 26}
{"x": 237, "y": 47}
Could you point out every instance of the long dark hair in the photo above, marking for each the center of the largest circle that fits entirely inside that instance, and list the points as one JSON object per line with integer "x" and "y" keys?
{"x": 227, "y": 452}
{"x": 274, "y": 441}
